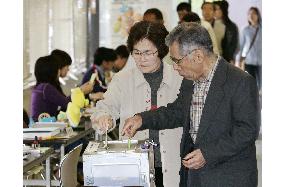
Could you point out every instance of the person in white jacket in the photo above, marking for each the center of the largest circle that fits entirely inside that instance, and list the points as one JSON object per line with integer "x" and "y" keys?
{"x": 147, "y": 86}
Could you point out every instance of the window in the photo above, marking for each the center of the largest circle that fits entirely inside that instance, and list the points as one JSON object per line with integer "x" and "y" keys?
{"x": 53, "y": 24}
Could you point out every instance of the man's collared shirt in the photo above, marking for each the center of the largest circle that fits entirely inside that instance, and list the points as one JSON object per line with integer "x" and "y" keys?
{"x": 200, "y": 91}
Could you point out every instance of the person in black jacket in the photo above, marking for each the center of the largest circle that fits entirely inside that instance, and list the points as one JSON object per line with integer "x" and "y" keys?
{"x": 104, "y": 59}
{"x": 217, "y": 107}
{"x": 230, "y": 42}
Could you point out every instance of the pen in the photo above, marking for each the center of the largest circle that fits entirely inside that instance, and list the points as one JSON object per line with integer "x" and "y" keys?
{"x": 129, "y": 143}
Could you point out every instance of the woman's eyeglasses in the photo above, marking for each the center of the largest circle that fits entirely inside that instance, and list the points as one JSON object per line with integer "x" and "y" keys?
{"x": 146, "y": 54}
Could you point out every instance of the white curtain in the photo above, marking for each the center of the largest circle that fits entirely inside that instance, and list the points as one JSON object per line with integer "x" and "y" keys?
{"x": 35, "y": 32}
{"x": 54, "y": 24}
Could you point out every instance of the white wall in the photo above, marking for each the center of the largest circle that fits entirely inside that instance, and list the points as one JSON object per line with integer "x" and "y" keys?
{"x": 238, "y": 10}
{"x": 113, "y": 19}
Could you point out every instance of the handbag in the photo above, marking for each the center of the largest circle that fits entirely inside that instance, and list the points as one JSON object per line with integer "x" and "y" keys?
{"x": 243, "y": 58}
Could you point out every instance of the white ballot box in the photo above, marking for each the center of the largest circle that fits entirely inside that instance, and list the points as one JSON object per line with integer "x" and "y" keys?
{"x": 119, "y": 164}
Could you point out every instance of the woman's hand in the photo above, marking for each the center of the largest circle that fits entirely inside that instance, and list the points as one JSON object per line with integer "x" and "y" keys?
{"x": 103, "y": 123}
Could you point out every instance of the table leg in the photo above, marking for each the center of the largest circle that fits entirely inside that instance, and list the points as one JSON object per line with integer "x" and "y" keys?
{"x": 47, "y": 172}
{"x": 62, "y": 151}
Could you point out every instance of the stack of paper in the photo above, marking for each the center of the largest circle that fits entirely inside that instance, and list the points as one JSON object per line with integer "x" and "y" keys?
{"x": 30, "y": 133}
{"x": 62, "y": 125}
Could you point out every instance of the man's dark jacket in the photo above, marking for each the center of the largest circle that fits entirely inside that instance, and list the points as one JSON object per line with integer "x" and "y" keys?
{"x": 228, "y": 129}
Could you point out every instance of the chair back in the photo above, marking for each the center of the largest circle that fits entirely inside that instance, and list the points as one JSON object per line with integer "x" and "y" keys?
{"x": 68, "y": 168}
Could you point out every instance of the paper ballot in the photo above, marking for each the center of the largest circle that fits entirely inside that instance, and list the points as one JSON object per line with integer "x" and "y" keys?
{"x": 30, "y": 133}
{"x": 93, "y": 77}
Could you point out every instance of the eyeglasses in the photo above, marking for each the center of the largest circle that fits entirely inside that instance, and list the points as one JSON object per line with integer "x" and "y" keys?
{"x": 147, "y": 54}
{"x": 179, "y": 61}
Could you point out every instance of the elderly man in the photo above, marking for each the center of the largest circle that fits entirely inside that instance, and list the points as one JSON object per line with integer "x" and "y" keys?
{"x": 218, "y": 108}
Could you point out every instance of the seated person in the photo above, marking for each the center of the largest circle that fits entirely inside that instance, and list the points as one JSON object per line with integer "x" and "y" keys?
{"x": 26, "y": 119}
{"x": 64, "y": 61}
{"x": 47, "y": 95}
{"x": 122, "y": 57}
{"x": 104, "y": 59}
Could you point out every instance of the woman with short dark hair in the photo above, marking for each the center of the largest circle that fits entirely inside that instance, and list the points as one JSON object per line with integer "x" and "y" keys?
{"x": 147, "y": 86}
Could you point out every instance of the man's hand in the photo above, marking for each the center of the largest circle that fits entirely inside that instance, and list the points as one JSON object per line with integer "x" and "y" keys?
{"x": 103, "y": 123}
{"x": 131, "y": 125}
{"x": 194, "y": 160}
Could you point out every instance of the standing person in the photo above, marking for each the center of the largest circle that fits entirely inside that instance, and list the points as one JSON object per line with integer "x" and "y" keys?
{"x": 226, "y": 31}
{"x": 251, "y": 46}
{"x": 148, "y": 86}
{"x": 47, "y": 95}
{"x": 208, "y": 12}
{"x": 218, "y": 108}
{"x": 183, "y": 9}
{"x": 193, "y": 17}
{"x": 153, "y": 15}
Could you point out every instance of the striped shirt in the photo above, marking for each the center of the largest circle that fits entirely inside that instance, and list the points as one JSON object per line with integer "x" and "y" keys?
{"x": 200, "y": 91}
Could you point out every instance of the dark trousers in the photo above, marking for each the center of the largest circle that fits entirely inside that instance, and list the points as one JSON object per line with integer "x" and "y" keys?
{"x": 256, "y": 72}
{"x": 159, "y": 177}
{"x": 193, "y": 179}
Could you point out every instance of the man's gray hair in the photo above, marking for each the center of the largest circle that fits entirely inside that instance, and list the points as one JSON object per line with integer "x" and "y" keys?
{"x": 190, "y": 36}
